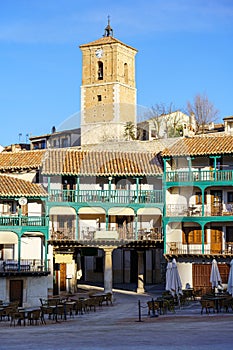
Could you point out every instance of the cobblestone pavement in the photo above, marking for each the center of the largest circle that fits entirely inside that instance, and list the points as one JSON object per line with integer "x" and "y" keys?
{"x": 120, "y": 327}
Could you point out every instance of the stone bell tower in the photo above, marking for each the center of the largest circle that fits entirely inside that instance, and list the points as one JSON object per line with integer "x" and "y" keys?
{"x": 108, "y": 90}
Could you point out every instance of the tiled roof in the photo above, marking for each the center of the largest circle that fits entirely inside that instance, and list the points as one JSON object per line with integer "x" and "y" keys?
{"x": 10, "y": 161}
{"x": 13, "y": 187}
{"x": 97, "y": 163}
{"x": 105, "y": 40}
{"x": 201, "y": 146}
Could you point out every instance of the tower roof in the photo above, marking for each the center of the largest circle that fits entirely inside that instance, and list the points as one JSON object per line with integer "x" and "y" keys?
{"x": 106, "y": 39}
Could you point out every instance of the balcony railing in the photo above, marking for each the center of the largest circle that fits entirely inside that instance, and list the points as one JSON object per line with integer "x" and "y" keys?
{"x": 121, "y": 233}
{"x": 113, "y": 196}
{"x": 196, "y": 210}
{"x": 22, "y": 221}
{"x": 176, "y": 248}
{"x": 24, "y": 265}
{"x": 199, "y": 175}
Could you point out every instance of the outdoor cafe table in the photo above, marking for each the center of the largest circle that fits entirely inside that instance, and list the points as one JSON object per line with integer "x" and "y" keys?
{"x": 24, "y": 312}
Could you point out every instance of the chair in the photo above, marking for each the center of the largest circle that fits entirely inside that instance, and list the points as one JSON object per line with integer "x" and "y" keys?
{"x": 35, "y": 316}
{"x": 153, "y": 306}
{"x": 173, "y": 248}
{"x": 207, "y": 305}
{"x": 16, "y": 316}
{"x": 226, "y": 303}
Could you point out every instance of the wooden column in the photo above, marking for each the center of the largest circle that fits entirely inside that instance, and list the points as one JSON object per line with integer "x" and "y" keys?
{"x": 108, "y": 269}
{"x": 140, "y": 286}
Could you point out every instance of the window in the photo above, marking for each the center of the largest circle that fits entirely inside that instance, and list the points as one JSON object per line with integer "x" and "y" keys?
{"x": 100, "y": 70}
{"x": 198, "y": 196}
{"x": 229, "y": 197}
{"x": 218, "y": 163}
{"x": 99, "y": 97}
{"x": 64, "y": 142}
{"x": 190, "y": 236}
{"x": 126, "y": 73}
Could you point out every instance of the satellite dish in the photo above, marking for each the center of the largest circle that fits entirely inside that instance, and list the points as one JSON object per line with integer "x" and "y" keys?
{"x": 23, "y": 200}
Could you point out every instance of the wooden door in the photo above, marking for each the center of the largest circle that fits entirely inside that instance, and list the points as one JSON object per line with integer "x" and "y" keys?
{"x": 216, "y": 202}
{"x": 16, "y": 291}
{"x": 201, "y": 276}
{"x": 216, "y": 240}
{"x": 62, "y": 277}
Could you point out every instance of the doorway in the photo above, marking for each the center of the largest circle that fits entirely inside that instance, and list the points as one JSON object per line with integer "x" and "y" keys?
{"x": 216, "y": 240}
{"x": 16, "y": 291}
{"x": 216, "y": 202}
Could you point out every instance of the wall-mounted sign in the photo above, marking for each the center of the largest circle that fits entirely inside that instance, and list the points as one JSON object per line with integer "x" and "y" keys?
{"x": 63, "y": 258}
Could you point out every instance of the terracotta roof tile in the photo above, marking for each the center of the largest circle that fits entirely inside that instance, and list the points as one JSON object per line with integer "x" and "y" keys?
{"x": 202, "y": 145}
{"x": 97, "y": 163}
{"x": 13, "y": 187}
{"x": 20, "y": 160}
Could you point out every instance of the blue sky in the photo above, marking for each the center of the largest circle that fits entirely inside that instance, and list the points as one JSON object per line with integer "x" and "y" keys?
{"x": 185, "y": 47}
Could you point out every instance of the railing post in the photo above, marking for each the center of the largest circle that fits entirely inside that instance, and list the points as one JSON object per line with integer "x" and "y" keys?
{"x": 139, "y": 312}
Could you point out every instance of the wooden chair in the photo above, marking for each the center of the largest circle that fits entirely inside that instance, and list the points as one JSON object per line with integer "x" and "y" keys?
{"x": 16, "y": 317}
{"x": 35, "y": 317}
{"x": 207, "y": 305}
{"x": 153, "y": 306}
{"x": 226, "y": 303}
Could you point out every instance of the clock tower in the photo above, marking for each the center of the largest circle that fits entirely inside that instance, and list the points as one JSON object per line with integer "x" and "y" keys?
{"x": 108, "y": 90}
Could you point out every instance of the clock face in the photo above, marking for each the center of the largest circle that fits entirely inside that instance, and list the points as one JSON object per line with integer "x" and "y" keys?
{"x": 99, "y": 53}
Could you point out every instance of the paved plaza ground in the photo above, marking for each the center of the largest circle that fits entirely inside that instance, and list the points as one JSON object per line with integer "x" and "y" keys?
{"x": 118, "y": 327}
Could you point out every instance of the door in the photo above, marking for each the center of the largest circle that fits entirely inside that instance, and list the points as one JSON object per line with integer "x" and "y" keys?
{"x": 63, "y": 277}
{"x": 16, "y": 291}
{"x": 133, "y": 266}
{"x": 201, "y": 276}
{"x": 216, "y": 240}
{"x": 216, "y": 202}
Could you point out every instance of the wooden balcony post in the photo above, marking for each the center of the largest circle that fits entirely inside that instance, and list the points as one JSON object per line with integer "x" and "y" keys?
{"x": 136, "y": 226}
{"x": 203, "y": 238}
{"x": 19, "y": 251}
{"x": 77, "y": 226}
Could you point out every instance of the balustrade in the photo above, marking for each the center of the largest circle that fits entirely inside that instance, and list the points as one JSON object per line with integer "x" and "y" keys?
{"x": 199, "y": 175}
{"x": 113, "y": 196}
{"x": 22, "y": 221}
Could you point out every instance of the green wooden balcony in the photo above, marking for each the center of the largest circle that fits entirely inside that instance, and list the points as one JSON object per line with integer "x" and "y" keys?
{"x": 25, "y": 266}
{"x": 181, "y": 176}
{"x": 176, "y": 248}
{"x": 22, "y": 221}
{"x": 221, "y": 209}
{"x": 112, "y": 196}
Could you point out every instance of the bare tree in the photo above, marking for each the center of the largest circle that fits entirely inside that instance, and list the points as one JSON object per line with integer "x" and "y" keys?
{"x": 165, "y": 119}
{"x": 203, "y": 111}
